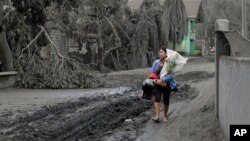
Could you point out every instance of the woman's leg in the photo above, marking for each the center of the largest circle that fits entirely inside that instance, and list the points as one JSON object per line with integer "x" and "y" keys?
{"x": 166, "y": 110}
{"x": 166, "y": 95}
{"x": 157, "y": 106}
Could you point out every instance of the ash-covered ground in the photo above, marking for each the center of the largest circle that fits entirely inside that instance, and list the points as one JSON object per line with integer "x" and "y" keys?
{"x": 113, "y": 114}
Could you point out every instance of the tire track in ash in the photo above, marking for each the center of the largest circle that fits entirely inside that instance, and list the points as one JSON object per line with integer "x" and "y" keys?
{"x": 45, "y": 111}
{"x": 86, "y": 119}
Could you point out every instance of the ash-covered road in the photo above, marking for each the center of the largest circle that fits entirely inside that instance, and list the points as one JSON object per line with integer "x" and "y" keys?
{"x": 110, "y": 114}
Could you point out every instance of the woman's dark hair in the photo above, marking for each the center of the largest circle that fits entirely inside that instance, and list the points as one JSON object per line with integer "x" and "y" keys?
{"x": 162, "y": 47}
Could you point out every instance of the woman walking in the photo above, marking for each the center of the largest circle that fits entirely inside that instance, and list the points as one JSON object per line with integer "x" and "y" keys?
{"x": 163, "y": 79}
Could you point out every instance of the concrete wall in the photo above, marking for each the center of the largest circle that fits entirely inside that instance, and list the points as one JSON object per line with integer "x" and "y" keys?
{"x": 222, "y": 48}
{"x": 232, "y": 79}
{"x": 7, "y": 79}
{"x": 234, "y": 91}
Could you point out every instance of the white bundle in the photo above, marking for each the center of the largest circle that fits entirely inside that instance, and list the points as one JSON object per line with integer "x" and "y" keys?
{"x": 174, "y": 62}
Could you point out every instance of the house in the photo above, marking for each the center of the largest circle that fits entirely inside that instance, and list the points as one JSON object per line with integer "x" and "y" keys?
{"x": 195, "y": 14}
{"x": 194, "y": 10}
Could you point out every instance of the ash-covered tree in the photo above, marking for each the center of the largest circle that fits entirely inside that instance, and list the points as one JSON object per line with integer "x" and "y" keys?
{"x": 5, "y": 52}
{"x": 221, "y": 9}
{"x": 158, "y": 25}
{"x": 29, "y": 12}
{"x": 97, "y": 18}
{"x": 30, "y": 34}
{"x": 147, "y": 33}
{"x": 173, "y": 23}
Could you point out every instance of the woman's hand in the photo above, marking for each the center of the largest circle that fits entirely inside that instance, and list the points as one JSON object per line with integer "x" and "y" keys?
{"x": 166, "y": 60}
{"x": 160, "y": 82}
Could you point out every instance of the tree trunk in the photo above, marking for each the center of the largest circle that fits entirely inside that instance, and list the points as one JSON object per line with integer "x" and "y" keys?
{"x": 100, "y": 57}
{"x": 5, "y": 53}
{"x": 4, "y": 47}
{"x": 19, "y": 48}
{"x": 118, "y": 41}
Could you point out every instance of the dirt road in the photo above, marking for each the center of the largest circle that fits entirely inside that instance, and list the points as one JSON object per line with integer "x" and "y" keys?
{"x": 113, "y": 114}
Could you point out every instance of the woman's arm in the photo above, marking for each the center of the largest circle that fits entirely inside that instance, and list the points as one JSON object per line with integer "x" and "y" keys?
{"x": 153, "y": 68}
{"x": 168, "y": 77}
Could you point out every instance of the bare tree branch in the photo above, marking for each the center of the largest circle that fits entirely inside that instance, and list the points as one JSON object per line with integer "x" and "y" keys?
{"x": 31, "y": 42}
{"x": 114, "y": 32}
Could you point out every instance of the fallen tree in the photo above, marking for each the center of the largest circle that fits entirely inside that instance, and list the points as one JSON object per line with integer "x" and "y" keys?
{"x": 58, "y": 72}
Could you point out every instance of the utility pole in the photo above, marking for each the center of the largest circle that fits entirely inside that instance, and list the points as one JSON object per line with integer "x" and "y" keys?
{"x": 244, "y": 19}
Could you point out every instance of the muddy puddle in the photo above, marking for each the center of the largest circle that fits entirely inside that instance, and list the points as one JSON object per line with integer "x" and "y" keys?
{"x": 108, "y": 116}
